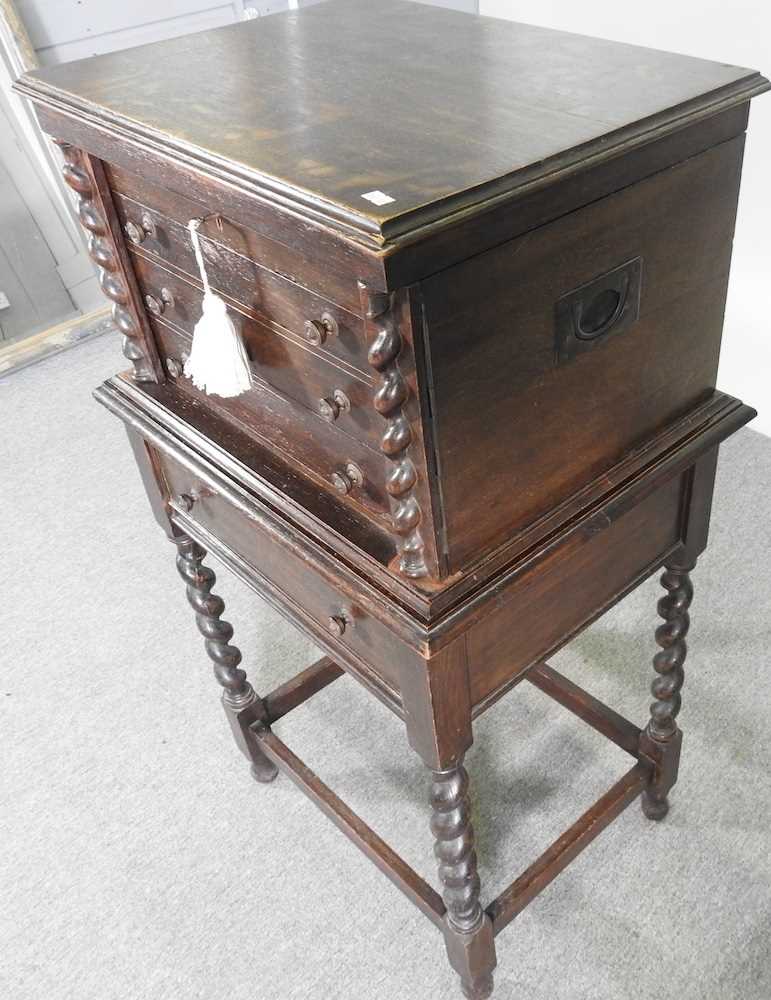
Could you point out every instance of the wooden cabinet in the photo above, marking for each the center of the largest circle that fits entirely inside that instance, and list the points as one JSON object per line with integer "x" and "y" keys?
{"x": 479, "y": 269}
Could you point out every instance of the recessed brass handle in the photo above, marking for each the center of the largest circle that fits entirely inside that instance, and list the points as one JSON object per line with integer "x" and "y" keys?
{"x": 157, "y": 306}
{"x": 600, "y": 313}
{"x": 345, "y": 481}
{"x": 332, "y": 406}
{"x": 318, "y": 330}
{"x": 137, "y": 232}
{"x": 593, "y": 313}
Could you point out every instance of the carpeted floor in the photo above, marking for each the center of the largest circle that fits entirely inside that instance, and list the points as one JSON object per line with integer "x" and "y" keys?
{"x": 138, "y": 861}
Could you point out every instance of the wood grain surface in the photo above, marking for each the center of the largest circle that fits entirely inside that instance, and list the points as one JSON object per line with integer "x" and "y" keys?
{"x": 491, "y": 329}
{"x": 435, "y": 108}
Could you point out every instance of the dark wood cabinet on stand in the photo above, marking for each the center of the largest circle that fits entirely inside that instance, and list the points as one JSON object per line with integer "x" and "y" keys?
{"x": 479, "y": 269}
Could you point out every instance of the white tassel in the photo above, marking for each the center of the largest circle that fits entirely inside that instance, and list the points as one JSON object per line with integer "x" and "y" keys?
{"x": 218, "y": 362}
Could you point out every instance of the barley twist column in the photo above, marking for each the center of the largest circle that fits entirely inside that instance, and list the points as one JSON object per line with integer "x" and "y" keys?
{"x": 662, "y": 735}
{"x": 241, "y": 704}
{"x": 469, "y": 937}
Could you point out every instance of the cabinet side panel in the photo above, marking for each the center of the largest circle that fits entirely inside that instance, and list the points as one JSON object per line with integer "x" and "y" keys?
{"x": 519, "y": 427}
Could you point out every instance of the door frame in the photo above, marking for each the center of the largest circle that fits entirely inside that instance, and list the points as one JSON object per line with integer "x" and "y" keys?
{"x": 56, "y": 220}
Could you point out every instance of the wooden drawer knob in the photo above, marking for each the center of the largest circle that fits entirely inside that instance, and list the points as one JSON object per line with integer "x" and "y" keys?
{"x": 318, "y": 330}
{"x": 157, "y": 304}
{"x": 345, "y": 481}
{"x": 332, "y": 406}
{"x": 137, "y": 232}
{"x": 175, "y": 367}
{"x": 188, "y": 500}
{"x": 337, "y": 624}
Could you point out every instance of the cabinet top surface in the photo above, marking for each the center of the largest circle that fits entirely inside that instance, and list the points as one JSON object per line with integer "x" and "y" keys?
{"x": 437, "y": 110}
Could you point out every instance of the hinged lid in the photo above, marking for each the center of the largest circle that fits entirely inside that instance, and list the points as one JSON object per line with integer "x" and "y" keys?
{"x": 383, "y": 117}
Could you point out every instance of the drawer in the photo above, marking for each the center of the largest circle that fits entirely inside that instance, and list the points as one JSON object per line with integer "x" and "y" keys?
{"x": 568, "y": 587}
{"x": 335, "y": 395}
{"x": 260, "y": 293}
{"x": 347, "y": 470}
{"x": 266, "y": 239}
{"x": 346, "y": 467}
{"x": 302, "y": 589}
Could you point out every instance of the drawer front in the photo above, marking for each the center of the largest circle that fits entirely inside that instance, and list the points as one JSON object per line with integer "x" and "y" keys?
{"x": 554, "y": 355}
{"x": 263, "y": 295}
{"x": 339, "y": 465}
{"x": 339, "y": 397}
{"x": 301, "y": 587}
{"x": 571, "y": 586}
{"x": 270, "y": 240}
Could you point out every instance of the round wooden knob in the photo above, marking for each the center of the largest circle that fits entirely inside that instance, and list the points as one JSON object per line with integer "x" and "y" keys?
{"x": 156, "y": 306}
{"x": 341, "y": 482}
{"x": 134, "y": 232}
{"x": 315, "y": 332}
{"x": 318, "y": 330}
{"x": 345, "y": 481}
{"x": 137, "y": 231}
{"x": 330, "y": 408}
{"x": 188, "y": 500}
{"x": 336, "y": 624}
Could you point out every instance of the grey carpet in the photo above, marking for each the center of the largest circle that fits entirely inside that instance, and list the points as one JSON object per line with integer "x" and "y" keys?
{"x": 139, "y": 862}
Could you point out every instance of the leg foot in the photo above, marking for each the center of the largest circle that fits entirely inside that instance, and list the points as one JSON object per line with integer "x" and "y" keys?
{"x": 653, "y": 807}
{"x": 241, "y": 704}
{"x": 265, "y": 771}
{"x": 661, "y": 740}
{"x": 468, "y": 930}
{"x": 479, "y": 989}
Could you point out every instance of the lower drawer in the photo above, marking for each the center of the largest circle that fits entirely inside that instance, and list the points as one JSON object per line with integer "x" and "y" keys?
{"x": 555, "y": 597}
{"x": 281, "y": 573}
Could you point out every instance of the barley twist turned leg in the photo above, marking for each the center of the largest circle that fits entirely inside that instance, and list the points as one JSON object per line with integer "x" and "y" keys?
{"x": 469, "y": 931}
{"x": 662, "y": 737}
{"x": 241, "y": 704}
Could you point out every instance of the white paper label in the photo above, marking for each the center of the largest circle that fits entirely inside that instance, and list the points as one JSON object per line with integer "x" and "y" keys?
{"x": 4, "y": 303}
{"x": 378, "y": 197}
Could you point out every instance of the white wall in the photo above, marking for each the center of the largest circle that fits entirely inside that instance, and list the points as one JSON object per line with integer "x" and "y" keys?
{"x": 738, "y": 32}
{"x": 62, "y": 30}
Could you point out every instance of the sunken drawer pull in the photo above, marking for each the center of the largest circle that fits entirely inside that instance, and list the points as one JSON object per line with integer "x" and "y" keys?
{"x": 317, "y": 331}
{"x": 137, "y": 232}
{"x": 157, "y": 305}
{"x": 344, "y": 482}
{"x": 589, "y": 315}
{"x": 332, "y": 406}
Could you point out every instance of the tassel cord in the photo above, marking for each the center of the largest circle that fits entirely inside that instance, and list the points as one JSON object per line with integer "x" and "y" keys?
{"x": 218, "y": 363}
{"x": 194, "y": 226}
